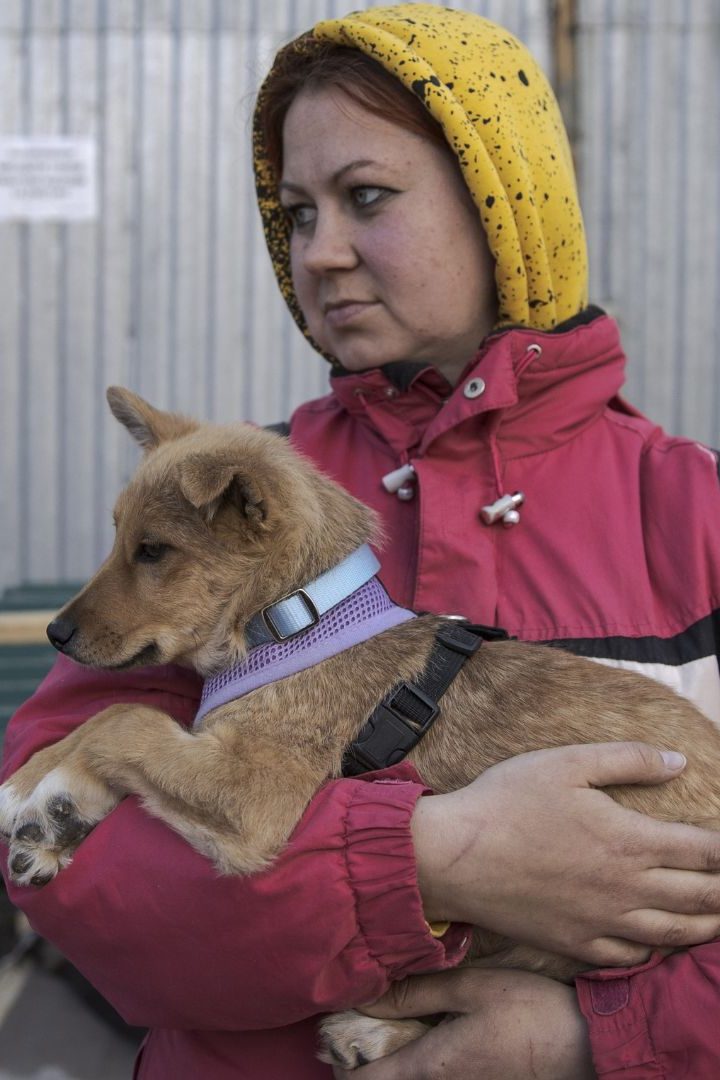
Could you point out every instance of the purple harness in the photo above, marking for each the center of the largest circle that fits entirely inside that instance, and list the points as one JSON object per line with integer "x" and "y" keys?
{"x": 366, "y": 612}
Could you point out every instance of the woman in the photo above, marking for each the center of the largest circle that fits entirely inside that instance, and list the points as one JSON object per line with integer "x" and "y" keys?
{"x": 461, "y": 345}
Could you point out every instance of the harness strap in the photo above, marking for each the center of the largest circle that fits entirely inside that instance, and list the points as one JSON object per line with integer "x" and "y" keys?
{"x": 404, "y": 715}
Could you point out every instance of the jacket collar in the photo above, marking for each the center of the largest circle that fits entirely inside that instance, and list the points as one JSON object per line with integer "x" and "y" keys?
{"x": 540, "y": 389}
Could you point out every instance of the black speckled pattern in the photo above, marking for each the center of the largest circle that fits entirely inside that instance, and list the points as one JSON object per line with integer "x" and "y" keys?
{"x": 501, "y": 119}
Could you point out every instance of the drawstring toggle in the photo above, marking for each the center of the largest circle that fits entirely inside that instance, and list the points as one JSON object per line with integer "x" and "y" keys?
{"x": 503, "y": 509}
{"x": 400, "y": 482}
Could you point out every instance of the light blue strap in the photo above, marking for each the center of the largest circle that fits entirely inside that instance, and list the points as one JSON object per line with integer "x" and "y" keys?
{"x": 303, "y": 608}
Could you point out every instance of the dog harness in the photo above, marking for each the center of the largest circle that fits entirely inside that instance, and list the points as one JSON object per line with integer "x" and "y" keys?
{"x": 407, "y": 713}
{"x": 341, "y": 608}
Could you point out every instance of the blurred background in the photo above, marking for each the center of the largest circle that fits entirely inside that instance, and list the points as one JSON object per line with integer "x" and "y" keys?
{"x": 131, "y": 253}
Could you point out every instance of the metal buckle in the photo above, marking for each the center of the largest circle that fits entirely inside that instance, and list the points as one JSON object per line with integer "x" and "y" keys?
{"x": 273, "y": 630}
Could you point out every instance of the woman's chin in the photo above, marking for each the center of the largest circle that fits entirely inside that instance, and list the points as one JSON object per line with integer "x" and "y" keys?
{"x": 365, "y": 358}
{"x": 359, "y": 365}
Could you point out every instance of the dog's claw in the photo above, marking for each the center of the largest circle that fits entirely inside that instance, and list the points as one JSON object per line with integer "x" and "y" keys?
{"x": 67, "y": 825}
{"x": 41, "y": 879}
{"x": 21, "y": 862}
{"x": 31, "y": 833}
{"x": 60, "y": 808}
{"x": 71, "y": 833}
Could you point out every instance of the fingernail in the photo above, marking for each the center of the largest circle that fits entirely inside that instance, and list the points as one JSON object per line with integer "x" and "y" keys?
{"x": 673, "y": 760}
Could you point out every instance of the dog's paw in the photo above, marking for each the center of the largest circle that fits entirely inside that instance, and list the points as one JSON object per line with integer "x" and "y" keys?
{"x": 44, "y": 829}
{"x": 350, "y": 1039}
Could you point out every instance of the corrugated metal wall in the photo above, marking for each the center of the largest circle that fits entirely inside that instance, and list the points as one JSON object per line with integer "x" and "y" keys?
{"x": 170, "y": 291}
{"x": 649, "y": 160}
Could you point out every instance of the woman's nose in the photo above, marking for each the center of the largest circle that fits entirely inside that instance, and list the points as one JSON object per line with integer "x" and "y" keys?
{"x": 330, "y": 246}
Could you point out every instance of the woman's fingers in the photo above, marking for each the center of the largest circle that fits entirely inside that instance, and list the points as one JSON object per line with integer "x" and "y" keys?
{"x": 666, "y": 930}
{"x": 507, "y": 1025}
{"x": 684, "y": 847}
{"x": 604, "y": 764}
{"x": 423, "y": 995}
{"x": 535, "y": 850}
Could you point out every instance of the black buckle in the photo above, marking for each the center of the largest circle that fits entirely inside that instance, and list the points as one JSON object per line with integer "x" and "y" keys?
{"x": 399, "y": 722}
{"x": 490, "y": 633}
{"x": 270, "y": 625}
{"x": 432, "y": 707}
{"x": 460, "y": 639}
{"x": 465, "y": 637}
{"x": 390, "y": 733}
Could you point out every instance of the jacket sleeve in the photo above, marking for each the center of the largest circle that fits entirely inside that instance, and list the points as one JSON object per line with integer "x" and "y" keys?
{"x": 658, "y": 1020}
{"x": 170, "y": 943}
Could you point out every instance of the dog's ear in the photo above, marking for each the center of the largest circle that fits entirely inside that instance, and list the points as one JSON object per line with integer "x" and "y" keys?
{"x": 147, "y": 425}
{"x": 208, "y": 483}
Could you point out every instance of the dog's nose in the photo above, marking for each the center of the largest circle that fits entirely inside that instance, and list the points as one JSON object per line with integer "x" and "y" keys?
{"x": 60, "y": 631}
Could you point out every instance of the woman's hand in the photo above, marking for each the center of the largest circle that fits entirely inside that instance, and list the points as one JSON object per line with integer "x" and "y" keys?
{"x": 533, "y": 851}
{"x": 509, "y": 1025}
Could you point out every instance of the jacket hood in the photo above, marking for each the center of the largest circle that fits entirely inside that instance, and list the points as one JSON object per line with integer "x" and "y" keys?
{"x": 501, "y": 120}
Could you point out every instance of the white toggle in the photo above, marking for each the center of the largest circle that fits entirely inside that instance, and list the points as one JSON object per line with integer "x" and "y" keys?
{"x": 398, "y": 478}
{"x": 503, "y": 509}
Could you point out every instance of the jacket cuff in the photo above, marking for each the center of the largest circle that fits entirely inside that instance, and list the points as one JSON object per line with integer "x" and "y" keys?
{"x": 380, "y": 861}
{"x": 613, "y": 1005}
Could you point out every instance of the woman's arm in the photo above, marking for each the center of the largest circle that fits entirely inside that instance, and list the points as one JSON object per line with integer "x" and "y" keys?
{"x": 172, "y": 944}
{"x": 507, "y": 1025}
{"x": 655, "y": 1020}
{"x": 659, "y": 1020}
{"x": 534, "y": 850}
{"x": 650, "y": 1023}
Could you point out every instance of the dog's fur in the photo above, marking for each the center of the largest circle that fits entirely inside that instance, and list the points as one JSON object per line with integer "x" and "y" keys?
{"x": 217, "y": 523}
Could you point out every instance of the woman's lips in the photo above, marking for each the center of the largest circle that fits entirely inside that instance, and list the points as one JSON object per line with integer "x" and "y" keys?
{"x": 337, "y": 315}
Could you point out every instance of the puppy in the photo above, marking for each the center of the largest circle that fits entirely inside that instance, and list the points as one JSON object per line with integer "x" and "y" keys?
{"x": 218, "y": 523}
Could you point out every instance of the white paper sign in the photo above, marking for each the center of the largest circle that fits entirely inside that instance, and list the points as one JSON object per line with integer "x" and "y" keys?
{"x": 47, "y": 178}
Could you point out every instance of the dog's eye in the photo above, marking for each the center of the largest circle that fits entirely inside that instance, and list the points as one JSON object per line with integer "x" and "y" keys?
{"x": 149, "y": 552}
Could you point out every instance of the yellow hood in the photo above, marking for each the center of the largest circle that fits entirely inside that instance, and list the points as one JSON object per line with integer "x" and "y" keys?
{"x": 502, "y": 121}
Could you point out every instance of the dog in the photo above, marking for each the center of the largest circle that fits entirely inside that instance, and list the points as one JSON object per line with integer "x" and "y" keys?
{"x": 220, "y": 523}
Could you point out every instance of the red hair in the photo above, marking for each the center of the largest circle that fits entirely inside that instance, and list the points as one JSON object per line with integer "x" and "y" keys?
{"x": 310, "y": 64}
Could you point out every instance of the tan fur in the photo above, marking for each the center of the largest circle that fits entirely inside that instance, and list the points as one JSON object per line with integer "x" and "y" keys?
{"x": 247, "y": 520}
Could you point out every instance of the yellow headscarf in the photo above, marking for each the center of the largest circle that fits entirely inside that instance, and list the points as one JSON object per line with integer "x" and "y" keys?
{"x": 500, "y": 118}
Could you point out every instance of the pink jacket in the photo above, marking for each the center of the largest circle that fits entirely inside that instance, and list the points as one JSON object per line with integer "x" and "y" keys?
{"x": 616, "y": 555}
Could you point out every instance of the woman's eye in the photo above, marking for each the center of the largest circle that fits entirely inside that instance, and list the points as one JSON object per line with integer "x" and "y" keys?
{"x": 300, "y": 215}
{"x": 366, "y": 195}
{"x": 150, "y": 552}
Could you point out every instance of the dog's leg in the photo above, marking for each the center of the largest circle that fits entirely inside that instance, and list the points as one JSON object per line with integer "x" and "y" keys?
{"x": 233, "y": 797}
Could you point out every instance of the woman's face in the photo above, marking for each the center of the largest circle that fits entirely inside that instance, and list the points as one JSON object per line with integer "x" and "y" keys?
{"x": 389, "y": 259}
